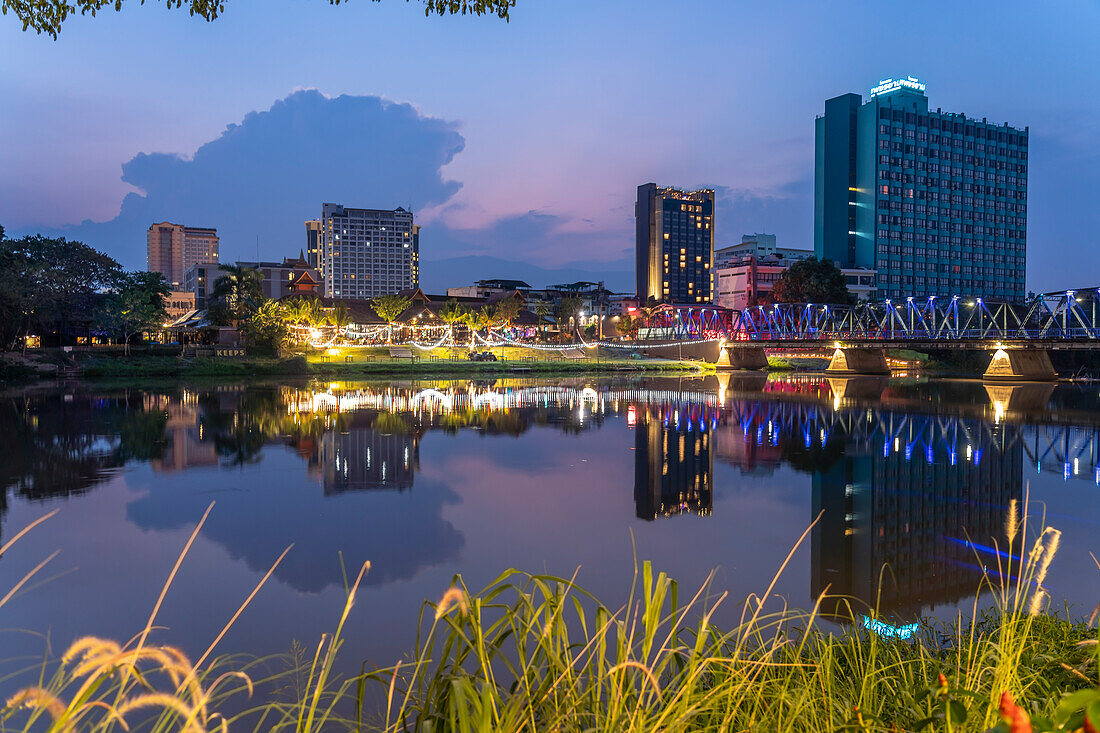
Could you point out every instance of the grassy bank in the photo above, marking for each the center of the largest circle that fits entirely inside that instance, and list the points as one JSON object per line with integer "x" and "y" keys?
{"x": 158, "y": 366}
{"x": 538, "y": 653}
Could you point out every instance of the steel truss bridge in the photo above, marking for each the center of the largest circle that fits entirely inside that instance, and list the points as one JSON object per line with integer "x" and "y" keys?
{"x": 1071, "y": 451}
{"x": 1067, "y": 319}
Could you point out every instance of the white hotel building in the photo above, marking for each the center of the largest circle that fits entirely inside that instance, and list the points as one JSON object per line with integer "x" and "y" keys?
{"x": 365, "y": 253}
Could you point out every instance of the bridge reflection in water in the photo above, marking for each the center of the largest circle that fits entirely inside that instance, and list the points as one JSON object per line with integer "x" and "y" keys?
{"x": 910, "y": 482}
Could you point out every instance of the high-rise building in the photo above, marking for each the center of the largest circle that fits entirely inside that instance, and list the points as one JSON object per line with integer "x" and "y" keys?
{"x": 675, "y": 244}
{"x": 368, "y": 252}
{"x": 313, "y": 242}
{"x": 935, "y": 201}
{"x": 174, "y": 248}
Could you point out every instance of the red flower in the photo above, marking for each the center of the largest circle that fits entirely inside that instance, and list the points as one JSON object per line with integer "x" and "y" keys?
{"x": 1014, "y": 715}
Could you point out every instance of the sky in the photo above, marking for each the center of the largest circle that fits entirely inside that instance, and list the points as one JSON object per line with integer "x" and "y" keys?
{"x": 514, "y": 142}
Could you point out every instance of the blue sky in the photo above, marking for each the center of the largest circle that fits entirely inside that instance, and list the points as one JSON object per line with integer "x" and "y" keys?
{"x": 522, "y": 141}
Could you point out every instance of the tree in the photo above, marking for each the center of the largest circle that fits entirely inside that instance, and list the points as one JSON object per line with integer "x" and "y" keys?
{"x": 338, "y": 316}
{"x": 568, "y": 312}
{"x": 265, "y": 331}
{"x": 452, "y": 312}
{"x": 236, "y": 294}
{"x": 136, "y": 305}
{"x": 627, "y": 326}
{"x": 49, "y": 284}
{"x": 542, "y": 310}
{"x": 390, "y": 307}
{"x": 812, "y": 281}
{"x": 507, "y": 311}
{"x": 46, "y": 16}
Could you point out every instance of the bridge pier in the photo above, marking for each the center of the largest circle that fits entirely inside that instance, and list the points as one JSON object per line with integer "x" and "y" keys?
{"x": 848, "y": 360}
{"x": 742, "y": 357}
{"x": 1020, "y": 365}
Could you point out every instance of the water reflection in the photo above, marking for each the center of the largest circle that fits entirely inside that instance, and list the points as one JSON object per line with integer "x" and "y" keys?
{"x": 910, "y": 479}
{"x": 674, "y": 462}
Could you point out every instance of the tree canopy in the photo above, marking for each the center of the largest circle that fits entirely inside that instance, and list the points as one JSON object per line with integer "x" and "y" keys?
{"x": 46, "y": 16}
{"x": 49, "y": 284}
{"x": 812, "y": 281}
{"x": 390, "y": 307}
{"x": 236, "y": 295}
{"x": 135, "y": 305}
{"x": 265, "y": 331}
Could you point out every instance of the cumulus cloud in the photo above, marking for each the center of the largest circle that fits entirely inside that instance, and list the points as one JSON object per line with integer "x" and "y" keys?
{"x": 265, "y": 176}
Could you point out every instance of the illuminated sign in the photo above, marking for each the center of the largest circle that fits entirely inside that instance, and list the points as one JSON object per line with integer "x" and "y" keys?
{"x": 892, "y": 85}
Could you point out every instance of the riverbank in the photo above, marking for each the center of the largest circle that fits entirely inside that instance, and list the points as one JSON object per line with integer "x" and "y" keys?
{"x": 533, "y": 652}
{"x": 161, "y": 366}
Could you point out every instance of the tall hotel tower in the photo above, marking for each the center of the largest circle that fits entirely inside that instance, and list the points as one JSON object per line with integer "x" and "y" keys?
{"x": 174, "y": 248}
{"x": 368, "y": 252}
{"x": 935, "y": 201}
{"x": 675, "y": 244}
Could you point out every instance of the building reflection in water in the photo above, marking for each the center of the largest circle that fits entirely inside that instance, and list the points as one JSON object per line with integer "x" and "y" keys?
{"x": 908, "y": 515}
{"x": 909, "y": 503}
{"x": 377, "y": 451}
{"x": 673, "y": 459}
{"x": 911, "y": 480}
{"x": 186, "y": 445}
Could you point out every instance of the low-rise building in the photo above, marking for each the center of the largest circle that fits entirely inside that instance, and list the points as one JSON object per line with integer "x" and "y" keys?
{"x": 749, "y": 282}
{"x": 179, "y": 303}
{"x": 291, "y": 276}
{"x": 760, "y": 246}
{"x": 486, "y": 288}
{"x": 199, "y": 280}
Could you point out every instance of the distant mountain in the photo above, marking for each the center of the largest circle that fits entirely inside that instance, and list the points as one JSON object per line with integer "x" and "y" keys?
{"x": 438, "y": 275}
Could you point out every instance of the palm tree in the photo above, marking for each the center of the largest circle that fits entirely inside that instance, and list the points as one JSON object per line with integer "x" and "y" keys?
{"x": 339, "y": 316}
{"x": 542, "y": 310}
{"x": 236, "y": 294}
{"x": 507, "y": 311}
{"x": 568, "y": 311}
{"x": 389, "y": 308}
{"x": 452, "y": 312}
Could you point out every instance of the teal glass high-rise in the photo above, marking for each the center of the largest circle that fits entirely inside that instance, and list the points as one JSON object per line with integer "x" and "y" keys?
{"x": 935, "y": 201}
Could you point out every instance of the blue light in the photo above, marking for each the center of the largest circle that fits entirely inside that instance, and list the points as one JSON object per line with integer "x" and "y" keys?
{"x": 889, "y": 631}
{"x": 982, "y": 548}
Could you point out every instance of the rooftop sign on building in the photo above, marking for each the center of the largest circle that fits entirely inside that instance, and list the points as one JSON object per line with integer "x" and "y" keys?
{"x": 886, "y": 86}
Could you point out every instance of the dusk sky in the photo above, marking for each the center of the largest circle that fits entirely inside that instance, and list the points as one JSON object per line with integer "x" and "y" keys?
{"x": 523, "y": 140}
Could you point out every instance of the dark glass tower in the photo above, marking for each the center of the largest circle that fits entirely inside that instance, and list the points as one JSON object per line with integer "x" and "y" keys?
{"x": 936, "y": 202}
{"x": 675, "y": 244}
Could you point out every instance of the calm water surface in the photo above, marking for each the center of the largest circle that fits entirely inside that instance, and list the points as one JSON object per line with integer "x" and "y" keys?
{"x": 430, "y": 479}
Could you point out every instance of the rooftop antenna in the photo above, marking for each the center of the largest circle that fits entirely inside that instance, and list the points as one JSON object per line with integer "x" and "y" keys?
{"x": 257, "y": 250}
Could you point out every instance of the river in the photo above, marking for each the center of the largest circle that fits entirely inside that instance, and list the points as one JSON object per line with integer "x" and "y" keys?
{"x": 431, "y": 479}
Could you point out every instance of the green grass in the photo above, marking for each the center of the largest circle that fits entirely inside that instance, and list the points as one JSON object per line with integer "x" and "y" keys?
{"x": 538, "y": 653}
{"x": 163, "y": 366}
